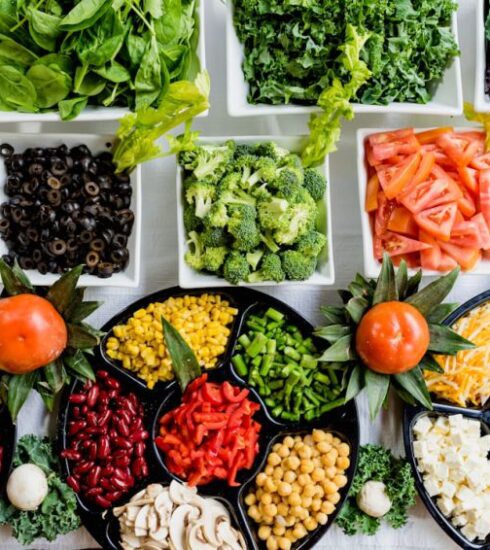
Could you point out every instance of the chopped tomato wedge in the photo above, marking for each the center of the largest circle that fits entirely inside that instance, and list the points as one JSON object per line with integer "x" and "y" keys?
{"x": 396, "y": 244}
{"x": 438, "y": 221}
{"x": 469, "y": 177}
{"x": 485, "y": 195}
{"x": 466, "y": 204}
{"x": 430, "y": 258}
{"x": 483, "y": 230}
{"x": 466, "y": 234}
{"x": 482, "y": 162}
{"x": 422, "y": 195}
{"x": 393, "y": 135}
{"x": 394, "y": 178}
{"x": 451, "y": 191}
{"x": 460, "y": 150}
{"x": 429, "y": 136}
{"x": 467, "y": 258}
{"x": 388, "y": 149}
{"x": 412, "y": 260}
{"x": 372, "y": 194}
{"x": 402, "y": 221}
{"x": 423, "y": 171}
{"x": 447, "y": 263}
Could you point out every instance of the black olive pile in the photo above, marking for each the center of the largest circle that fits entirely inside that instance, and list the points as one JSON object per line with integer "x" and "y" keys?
{"x": 66, "y": 207}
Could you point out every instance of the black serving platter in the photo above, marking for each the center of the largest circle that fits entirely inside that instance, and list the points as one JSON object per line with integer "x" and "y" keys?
{"x": 7, "y": 442}
{"x": 342, "y": 421}
{"x": 412, "y": 414}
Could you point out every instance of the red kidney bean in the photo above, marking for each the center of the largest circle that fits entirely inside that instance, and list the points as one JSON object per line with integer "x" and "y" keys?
{"x": 139, "y": 448}
{"x": 93, "y": 395}
{"x": 83, "y": 467}
{"x": 140, "y": 435}
{"x": 137, "y": 466}
{"x": 122, "y": 428}
{"x": 73, "y": 483}
{"x": 118, "y": 483}
{"x": 92, "y": 419}
{"x": 106, "y": 484}
{"x": 104, "y": 418}
{"x": 76, "y": 412}
{"x": 77, "y": 398}
{"x": 84, "y": 409}
{"x": 102, "y": 502}
{"x": 136, "y": 425}
{"x": 113, "y": 496}
{"x": 70, "y": 454}
{"x": 104, "y": 447}
{"x": 92, "y": 451}
{"x": 122, "y": 443}
{"x": 125, "y": 416}
{"x": 76, "y": 426}
{"x": 112, "y": 383}
{"x": 94, "y": 476}
{"x": 102, "y": 374}
{"x": 122, "y": 461}
{"x": 94, "y": 491}
{"x": 107, "y": 470}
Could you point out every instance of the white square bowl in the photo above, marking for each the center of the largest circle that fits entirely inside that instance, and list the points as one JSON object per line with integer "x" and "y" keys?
{"x": 96, "y": 143}
{"x": 100, "y": 113}
{"x": 448, "y": 99}
{"x": 481, "y": 100}
{"x": 372, "y": 267}
{"x": 324, "y": 274}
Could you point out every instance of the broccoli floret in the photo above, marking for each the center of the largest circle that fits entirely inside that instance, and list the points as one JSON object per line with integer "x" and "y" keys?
{"x": 315, "y": 183}
{"x": 297, "y": 221}
{"x": 217, "y": 215}
{"x": 243, "y": 227}
{"x": 265, "y": 170}
{"x": 254, "y": 257}
{"x": 292, "y": 161}
{"x": 213, "y": 236}
{"x": 208, "y": 161}
{"x": 267, "y": 239}
{"x": 270, "y": 149}
{"x": 287, "y": 184}
{"x": 270, "y": 270}
{"x": 236, "y": 268}
{"x": 297, "y": 266}
{"x": 271, "y": 212}
{"x": 245, "y": 166}
{"x": 201, "y": 194}
{"x": 311, "y": 244}
{"x": 230, "y": 182}
{"x": 191, "y": 221}
{"x": 194, "y": 256}
{"x": 237, "y": 197}
{"x": 242, "y": 150}
{"x": 213, "y": 257}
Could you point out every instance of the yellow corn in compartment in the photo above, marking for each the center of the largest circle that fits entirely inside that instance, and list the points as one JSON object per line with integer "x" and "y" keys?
{"x": 203, "y": 321}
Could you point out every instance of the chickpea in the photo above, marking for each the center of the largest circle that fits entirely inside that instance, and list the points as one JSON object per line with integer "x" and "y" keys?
{"x": 297, "y": 438}
{"x": 327, "y": 507}
{"x": 336, "y": 441}
{"x": 323, "y": 447}
{"x": 318, "y": 474}
{"x": 309, "y": 490}
{"x": 278, "y": 530}
{"x": 276, "y": 447}
{"x": 306, "y": 502}
{"x": 294, "y": 499}
{"x": 260, "y": 479}
{"x": 253, "y": 512}
{"x": 331, "y": 472}
{"x": 320, "y": 493}
{"x": 280, "y": 520}
{"x": 306, "y": 466}
{"x": 316, "y": 504}
{"x": 259, "y": 493}
{"x": 270, "y": 485}
{"x": 266, "y": 498}
{"x": 273, "y": 459}
{"x": 268, "y": 520}
{"x": 343, "y": 449}
{"x": 303, "y": 514}
{"x": 269, "y": 470}
{"x": 264, "y": 532}
{"x": 283, "y": 509}
{"x": 276, "y": 498}
{"x": 296, "y": 510}
{"x": 290, "y": 535}
{"x": 288, "y": 441}
{"x": 304, "y": 479}
{"x": 322, "y": 518}
{"x": 305, "y": 452}
{"x": 296, "y": 487}
{"x": 250, "y": 499}
{"x": 310, "y": 523}
{"x": 272, "y": 543}
{"x": 318, "y": 435}
{"x": 284, "y": 489}
{"x": 298, "y": 445}
{"x": 289, "y": 476}
{"x": 329, "y": 438}
{"x": 270, "y": 510}
{"x": 340, "y": 481}
{"x": 332, "y": 456}
{"x": 290, "y": 521}
{"x": 284, "y": 543}
{"x": 308, "y": 440}
{"x": 293, "y": 462}
{"x": 278, "y": 473}
{"x": 283, "y": 451}
{"x": 333, "y": 498}
{"x": 300, "y": 531}
{"x": 343, "y": 462}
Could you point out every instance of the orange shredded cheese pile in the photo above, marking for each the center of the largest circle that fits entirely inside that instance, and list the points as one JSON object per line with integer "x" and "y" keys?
{"x": 466, "y": 377}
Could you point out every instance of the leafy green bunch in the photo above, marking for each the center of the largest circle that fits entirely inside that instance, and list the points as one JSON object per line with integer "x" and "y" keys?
{"x": 361, "y": 295}
{"x": 250, "y": 212}
{"x": 57, "y": 515}
{"x": 378, "y": 464}
{"x": 48, "y": 381}
{"x": 61, "y": 54}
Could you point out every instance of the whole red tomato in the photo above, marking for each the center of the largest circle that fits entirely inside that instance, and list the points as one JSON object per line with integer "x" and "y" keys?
{"x": 392, "y": 337}
{"x": 32, "y": 333}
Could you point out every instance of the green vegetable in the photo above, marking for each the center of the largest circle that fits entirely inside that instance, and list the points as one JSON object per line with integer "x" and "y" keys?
{"x": 378, "y": 464}
{"x": 184, "y": 362}
{"x": 256, "y": 207}
{"x": 122, "y": 53}
{"x": 283, "y": 366}
{"x": 57, "y": 515}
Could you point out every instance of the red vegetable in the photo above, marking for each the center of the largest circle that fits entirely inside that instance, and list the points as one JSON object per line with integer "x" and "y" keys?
{"x": 211, "y": 435}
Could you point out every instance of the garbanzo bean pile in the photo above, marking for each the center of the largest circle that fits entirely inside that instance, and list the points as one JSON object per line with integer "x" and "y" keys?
{"x": 298, "y": 488}
{"x": 202, "y": 321}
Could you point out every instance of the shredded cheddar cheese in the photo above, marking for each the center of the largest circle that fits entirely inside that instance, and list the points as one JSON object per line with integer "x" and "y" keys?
{"x": 466, "y": 377}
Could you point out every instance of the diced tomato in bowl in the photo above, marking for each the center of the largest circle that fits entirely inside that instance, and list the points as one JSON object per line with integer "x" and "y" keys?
{"x": 426, "y": 198}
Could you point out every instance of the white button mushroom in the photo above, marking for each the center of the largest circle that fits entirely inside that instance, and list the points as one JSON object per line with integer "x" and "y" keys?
{"x": 373, "y": 500}
{"x": 27, "y": 487}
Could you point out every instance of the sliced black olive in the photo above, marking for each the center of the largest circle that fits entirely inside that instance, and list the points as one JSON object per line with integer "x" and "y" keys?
{"x": 46, "y": 214}
{"x": 108, "y": 235}
{"x": 62, "y": 150}
{"x": 65, "y": 179}
{"x": 38, "y": 152}
{"x": 120, "y": 255}
{"x": 92, "y": 189}
{"x": 36, "y": 169}
{"x": 42, "y": 267}
{"x": 17, "y": 214}
{"x": 16, "y": 162}
{"x": 122, "y": 177}
{"x": 80, "y": 151}
{"x": 125, "y": 216}
{"x": 86, "y": 236}
{"x": 120, "y": 240}
{"x": 52, "y": 266}
{"x": 71, "y": 245}
{"x": 54, "y": 197}
{"x": 54, "y": 182}
{"x": 26, "y": 262}
{"x": 58, "y": 247}
{"x": 4, "y": 225}
{"x": 23, "y": 239}
{"x": 44, "y": 235}
{"x": 125, "y": 189}
{"x": 45, "y": 176}
{"x": 37, "y": 255}
{"x": 92, "y": 258}
{"x": 105, "y": 270}
{"x": 6, "y": 150}
{"x": 97, "y": 245}
{"x": 33, "y": 234}
{"x": 59, "y": 168}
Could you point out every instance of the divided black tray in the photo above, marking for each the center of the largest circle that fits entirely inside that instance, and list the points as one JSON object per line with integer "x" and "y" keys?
{"x": 7, "y": 441}
{"x": 412, "y": 414}
{"x": 165, "y": 396}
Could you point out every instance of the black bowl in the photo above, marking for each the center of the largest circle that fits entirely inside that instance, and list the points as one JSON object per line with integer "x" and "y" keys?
{"x": 165, "y": 396}
{"x": 412, "y": 414}
{"x": 7, "y": 442}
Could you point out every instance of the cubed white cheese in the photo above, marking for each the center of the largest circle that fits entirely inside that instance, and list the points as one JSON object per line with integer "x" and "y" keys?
{"x": 448, "y": 489}
{"x": 455, "y": 420}
{"x": 445, "y": 505}
{"x": 432, "y": 486}
{"x": 423, "y": 425}
{"x": 420, "y": 449}
{"x": 469, "y": 532}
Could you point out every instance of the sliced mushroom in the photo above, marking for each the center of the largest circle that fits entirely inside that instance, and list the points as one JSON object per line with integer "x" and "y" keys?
{"x": 153, "y": 490}
{"x": 160, "y": 535}
{"x": 164, "y": 506}
{"x": 227, "y": 534}
{"x": 210, "y": 519}
{"x": 130, "y": 539}
{"x": 178, "y": 524}
{"x": 181, "y": 493}
{"x": 195, "y": 539}
{"x": 141, "y": 521}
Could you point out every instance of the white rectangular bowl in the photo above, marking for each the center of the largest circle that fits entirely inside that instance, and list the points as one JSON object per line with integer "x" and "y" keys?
{"x": 96, "y": 113}
{"x": 325, "y": 273}
{"x": 96, "y": 143}
{"x": 371, "y": 266}
{"x": 481, "y": 100}
{"x": 448, "y": 99}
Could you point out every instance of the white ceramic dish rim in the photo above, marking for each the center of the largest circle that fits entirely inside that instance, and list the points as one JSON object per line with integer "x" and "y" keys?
{"x": 95, "y": 113}
{"x": 188, "y": 278}
{"x": 131, "y": 276}
{"x": 481, "y": 99}
{"x": 240, "y": 107}
{"x": 371, "y": 266}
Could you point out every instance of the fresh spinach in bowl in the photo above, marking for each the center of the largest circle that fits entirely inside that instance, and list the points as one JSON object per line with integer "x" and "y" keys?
{"x": 63, "y": 54}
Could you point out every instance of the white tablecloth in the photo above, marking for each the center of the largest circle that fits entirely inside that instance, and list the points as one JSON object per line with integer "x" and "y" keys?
{"x": 159, "y": 262}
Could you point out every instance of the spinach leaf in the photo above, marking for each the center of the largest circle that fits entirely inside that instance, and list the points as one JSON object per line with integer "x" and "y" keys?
{"x": 87, "y": 82}
{"x": 149, "y": 78}
{"x": 51, "y": 83}
{"x": 44, "y": 28}
{"x": 15, "y": 54}
{"x": 84, "y": 14}
{"x": 17, "y": 91}
{"x": 135, "y": 48}
{"x": 115, "y": 72}
{"x": 71, "y": 108}
{"x": 62, "y": 62}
